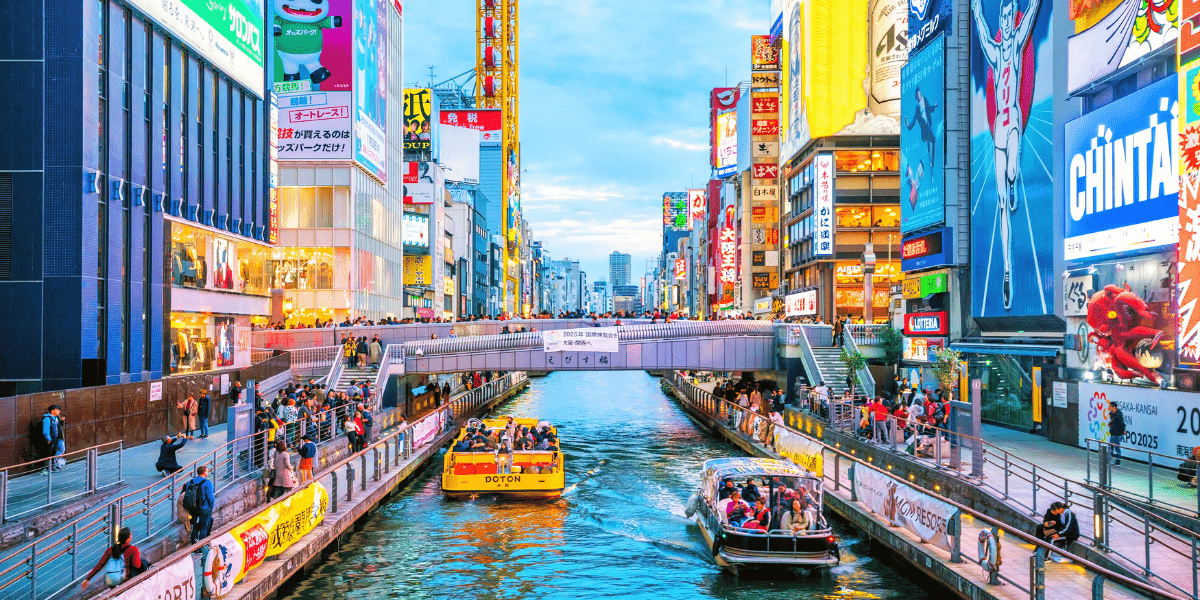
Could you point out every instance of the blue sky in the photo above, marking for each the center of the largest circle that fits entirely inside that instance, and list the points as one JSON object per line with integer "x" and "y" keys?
{"x": 614, "y": 107}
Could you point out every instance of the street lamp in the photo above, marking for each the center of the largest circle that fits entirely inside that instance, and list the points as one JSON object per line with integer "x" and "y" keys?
{"x": 868, "y": 269}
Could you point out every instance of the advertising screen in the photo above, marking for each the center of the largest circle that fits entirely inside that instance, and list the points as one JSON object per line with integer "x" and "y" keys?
{"x": 922, "y": 139}
{"x": 823, "y": 61}
{"x": 1012, "y": 254}
{"x": 370, "y": 74}
{"x": 415, "y": 230}
{"x": 723, "y": 100}
{"x": 1110, "y": 35}
{"x": 928, "y": 250}
{"x": 487, "y": 121}
{"x": 727, "y": 153}
{"x": 1127, "y": 325}
{"x": 227, "y": 33}
{"x": 927, "y": 19}
{"x": 314, "y": 78}
{"x": 458, "y": 153}
{"x": 418, "y": 123}
{"x": 1123, "y": 176}
{"x": 422, "y": 180}
{"x": 800, "y": 303}
{"x": 676, "y": 212}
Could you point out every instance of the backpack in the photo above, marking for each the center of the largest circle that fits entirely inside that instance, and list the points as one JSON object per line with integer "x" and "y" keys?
{"x": 114, "y": 567}
{"x": 939, "y": 411}
{"x": 191, "y": 497}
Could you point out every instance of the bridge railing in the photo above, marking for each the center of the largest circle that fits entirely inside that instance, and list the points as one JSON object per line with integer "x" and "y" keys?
{"x": 865, "y": 334}
{"x": 762, "y": 430}
{"x": 626, "y": 333}
{"x": 33, "y": 486}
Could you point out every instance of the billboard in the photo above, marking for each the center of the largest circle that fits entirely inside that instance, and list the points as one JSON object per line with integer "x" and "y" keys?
{"x": 928, "y": 250}
{"x": 823, "y": 60}
{"x": 727, "y": 154}
{"x": 1127, "y": 326}
{"x": 681, "y": 268}
{"x": 763, "y": 56}
{"x": 418, "y": 123}
{"x": 823, "y": 205}
{"x": 1110, "y": 35}
{"x": 800, "y": 304}
{"x": 1160, "y": 421}
{"x": 415, "y": 230}
{"x": 1123, "y": 175}
{"x": 727, "y": 252}
{"x": 458, "y": 153}
{"x": 697, "y": 205}
{"x": 722, "y": 100}
{"x": 487, "y": 121}
{"x": 676, "y": 212}
{"x": 418, "y": 269}
{"x": 226, "y": 33}
{"x": 370, "y": 82}
{"x": 422, "y": 180}
{"x": 927, "y": 19}
{"x": 1188, "y": 287}
{"x": 1012, "y": 250}
{"x": 922, "y": 139}
{"x": 314, "y": 78}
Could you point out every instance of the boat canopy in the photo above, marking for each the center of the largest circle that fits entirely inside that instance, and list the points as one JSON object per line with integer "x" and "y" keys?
{"x": 720, "y": 468}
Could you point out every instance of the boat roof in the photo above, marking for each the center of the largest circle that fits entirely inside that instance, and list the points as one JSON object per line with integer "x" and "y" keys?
{"x": 720, "y": 468}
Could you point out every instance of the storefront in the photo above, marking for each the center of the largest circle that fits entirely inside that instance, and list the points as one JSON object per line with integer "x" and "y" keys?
{"x": 1009, "y": 376}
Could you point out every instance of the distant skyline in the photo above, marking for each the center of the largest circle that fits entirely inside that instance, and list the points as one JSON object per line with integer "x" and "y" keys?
{"x": 614, "y": 108}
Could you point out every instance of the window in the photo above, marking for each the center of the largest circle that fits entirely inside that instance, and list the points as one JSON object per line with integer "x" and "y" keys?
{"x": 854, "y": 161}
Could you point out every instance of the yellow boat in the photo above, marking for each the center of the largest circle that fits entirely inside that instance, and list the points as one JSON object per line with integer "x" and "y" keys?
{"x": 529, "y": 473}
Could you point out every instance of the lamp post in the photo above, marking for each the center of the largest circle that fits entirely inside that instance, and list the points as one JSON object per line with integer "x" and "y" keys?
{"x": 868, "y": 269}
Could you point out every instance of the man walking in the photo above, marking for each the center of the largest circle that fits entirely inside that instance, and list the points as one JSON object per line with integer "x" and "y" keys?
{"x": 1116, "y": 431}
{"x": 52, "y": 437}
{"x": 199, "y": 499}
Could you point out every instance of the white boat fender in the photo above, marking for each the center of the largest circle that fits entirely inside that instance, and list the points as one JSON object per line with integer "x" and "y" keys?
{"x": 989, "y": 551}
{"x": 692, "y": 503}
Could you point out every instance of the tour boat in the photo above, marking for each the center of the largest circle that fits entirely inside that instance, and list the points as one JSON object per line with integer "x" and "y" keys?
{"x": 529, "y": 474}
{"x": 812, "y": 546}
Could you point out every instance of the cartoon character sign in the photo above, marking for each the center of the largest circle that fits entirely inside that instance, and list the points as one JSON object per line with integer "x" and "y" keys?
{"x": 1125, "y": 333}
{"x": 298, "y": 29}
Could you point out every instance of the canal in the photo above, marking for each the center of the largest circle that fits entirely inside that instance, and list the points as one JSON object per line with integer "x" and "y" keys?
{"x": 632, "y": 460}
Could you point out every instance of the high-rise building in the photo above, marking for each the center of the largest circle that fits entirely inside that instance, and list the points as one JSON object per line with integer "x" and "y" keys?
{"x": 618, "y": 268}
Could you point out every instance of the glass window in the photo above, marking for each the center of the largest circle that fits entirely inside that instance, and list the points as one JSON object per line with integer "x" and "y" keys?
{"x": 324, "y": 212}
{"x": 288, "y": 219}
{"x": 854, "y": 161}
{"x": 852, "y": 216}
{"x": 306, "y": 198}
{"x": 300, "y": 268}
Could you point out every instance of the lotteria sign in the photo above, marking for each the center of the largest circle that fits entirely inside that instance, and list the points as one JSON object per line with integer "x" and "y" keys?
{"x": 928, "y": 323}
{"x": 1123, "y": 175}
{"x": 926, "y": 251}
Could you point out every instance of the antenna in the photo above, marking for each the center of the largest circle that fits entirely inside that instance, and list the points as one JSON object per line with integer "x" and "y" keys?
{"x": 431, "y": 75}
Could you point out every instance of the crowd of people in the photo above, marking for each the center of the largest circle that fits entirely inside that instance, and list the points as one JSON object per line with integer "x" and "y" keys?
{"x": 773, "y": 507}
{"x": 514, "y": 437}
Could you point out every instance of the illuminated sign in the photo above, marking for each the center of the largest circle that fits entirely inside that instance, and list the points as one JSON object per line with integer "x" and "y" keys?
{"x": 680, "y": 268}
{"x": 921, "y": 349}
{"x": 763, "y": 56}
{"x": 767, "y": 79}
{"x": 676, "y": 212}
{"x": 727, "y": 140}
{"x": 765, "y": 281}
{"x": 925, "y": 251}
{"x": 764, "y": 171}
{"x": 764, "y": 126}
{"x": 1123, "y": 181}
{"x": 697, "y": 203}
{"x": 415, "y": 230}
{"x": 929, "y": 323}
{"x": 926, "y": 285}
{"x": 728, "y": 249}
{"x": 487, "y": 121}
{"x": 801, "y": 303}
{"x": 722, "y": 100}
{"x": 764, "y": 104}
{"x": 823, "y": 207}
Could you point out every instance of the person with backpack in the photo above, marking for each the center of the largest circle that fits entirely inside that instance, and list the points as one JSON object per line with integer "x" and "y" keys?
{"x": 199, "y": 499}
{"x": 121, "y": 562}
{"x": 52, "y": 443}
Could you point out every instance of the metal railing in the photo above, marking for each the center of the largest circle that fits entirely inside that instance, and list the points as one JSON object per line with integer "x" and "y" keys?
{"x": 336, "y": 365}
{"x": 258, "y": 355}
{"x": 384, "y": 454}
{"x": 863, "y": 374}
{"x": 864, "y": 334}
{"x": 795, "y": 335}
{"x": 1023, "y": 484}
{"x": 36, "y": 485}
{"x": 310, "y": 358}
{"x": 1037, "y": 584}
{"x": 1144, "y": 475}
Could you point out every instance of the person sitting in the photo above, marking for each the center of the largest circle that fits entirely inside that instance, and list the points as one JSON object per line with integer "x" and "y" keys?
{"x": 762, "y": 515}
{"x": 734, "y": 502}
{"x": 1187, "y": 470}
{"x": 750, "y": 491}
{"x": 795, "y": 519}
{"x": 523, "y": 442}
{"x": 1059, "y": 527}
{"x": 167, "y": 463}
{"x": 726, "y": 490}
{"x": 737, "y": 515}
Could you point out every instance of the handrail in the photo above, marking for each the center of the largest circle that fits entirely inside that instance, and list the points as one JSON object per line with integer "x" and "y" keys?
{"x": 27, "y": 499}
{"x": 865, "y": 333}
{"x": 727, "y": 407}
{"x": 865, "y": 378}
{"x": 335, "y": 371}
{"x": 794, "y": 334}
{"x": 1156, "y": 463}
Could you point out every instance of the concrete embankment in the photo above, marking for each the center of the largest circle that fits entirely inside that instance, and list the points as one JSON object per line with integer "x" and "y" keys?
{"x": 375, "y": 478}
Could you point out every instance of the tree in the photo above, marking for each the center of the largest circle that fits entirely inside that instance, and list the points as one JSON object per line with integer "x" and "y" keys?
{"x": 854, "y": 361}
{"x": 946, "y": 370}
{"x": 891, "y": 341}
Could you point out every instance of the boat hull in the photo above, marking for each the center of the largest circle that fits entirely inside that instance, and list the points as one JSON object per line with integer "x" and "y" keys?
{"x": 516, "y": 485}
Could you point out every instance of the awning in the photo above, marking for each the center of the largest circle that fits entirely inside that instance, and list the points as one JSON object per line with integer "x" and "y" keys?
{"x": 1008, "y": 349}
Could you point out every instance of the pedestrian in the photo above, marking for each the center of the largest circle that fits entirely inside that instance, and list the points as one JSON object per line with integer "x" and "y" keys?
{"x": 1187, "y": 470}
{"x": 189, "y": 406}
{"x": 235, "y": 393}
{"x": 307, "y": 452}
{"x": 348, "y": 347}
{"x": 361, "y": 350}
{"x": 376, "y": 350}
{"x": 849, "y": 384}
{"x": 285, "y": 474}
{"x": 199, "y": 499}
{"x": 880, "y": 413}
{"x": 203, "y": 409}
{"x": 839, "y": 326}
{"x": 167, "y": 463}
{"x": 823, "y": 396}
{"x": 52, "y": 443}
{"x": 121, "y": 562}
{"x": 361, "y": 428}
{"x": 1116, "y": 431}
{"x": 351, "y": 429}
{"x": 367, "y": 421}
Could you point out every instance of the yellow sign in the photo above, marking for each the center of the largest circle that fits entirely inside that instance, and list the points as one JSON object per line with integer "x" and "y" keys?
{"x": 800, "y": 450}
{"x": 1037, "y": 394}
{"x": 912, "y": 288}
{"x": 272, "y": 531}
{"x": 418, "y": 270}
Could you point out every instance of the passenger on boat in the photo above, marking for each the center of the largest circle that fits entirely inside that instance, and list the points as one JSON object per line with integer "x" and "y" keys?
{"x": 726, "y": 490}
{"x": 523, "y": 442}
{"x": 762, "y": 514}
{"x": 731, "y": 503}
{"x": 796, "y": 519}
{"x": 504, "y": 456}
{"x": 750, "y": 491}
{"x": 511, "y": 428}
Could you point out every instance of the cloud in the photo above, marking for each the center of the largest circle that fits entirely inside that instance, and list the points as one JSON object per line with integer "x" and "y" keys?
{"x": 666, "y": 141}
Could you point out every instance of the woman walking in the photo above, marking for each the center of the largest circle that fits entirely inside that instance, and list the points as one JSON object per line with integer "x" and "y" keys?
{"x": 190, "y": 408}
{"x": 285, "y": 474}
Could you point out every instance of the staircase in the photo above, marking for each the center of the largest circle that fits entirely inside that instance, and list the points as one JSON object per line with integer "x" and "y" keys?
{"x": 833, "y": 370}
{"x": 355, "y": 374}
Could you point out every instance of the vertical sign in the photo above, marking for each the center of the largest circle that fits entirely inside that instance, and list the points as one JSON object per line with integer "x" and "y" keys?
{"x": 697, "y": 203}
{"x": 823, "y": 206}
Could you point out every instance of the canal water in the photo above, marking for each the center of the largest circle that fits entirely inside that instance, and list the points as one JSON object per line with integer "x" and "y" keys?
{"x": 632, "y": 459}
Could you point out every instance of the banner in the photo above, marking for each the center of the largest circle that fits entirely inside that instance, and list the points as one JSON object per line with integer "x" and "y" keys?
{"x": 314, "y": 77}
{"x": 426, "y": 429}
{"x": 1115, "y": 34}
{"x": 177, "y": 582}
{"x": 370, "y": 72}
{"x": 1157, "y": 420}
{"x": 800, "y": 450}
{"x": 922, "y": 139}
{"x": 226, "y": 33}
{"x": 587, "y": 339}
{"x": 903, "y": 506}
